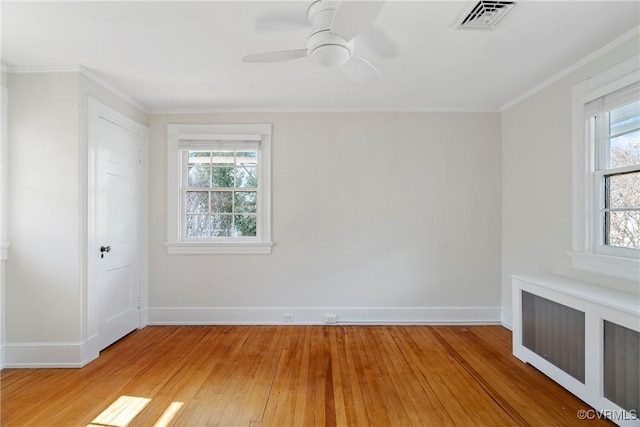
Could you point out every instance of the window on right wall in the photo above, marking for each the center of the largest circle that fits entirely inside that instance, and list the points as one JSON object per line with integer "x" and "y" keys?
{"x": 616, "y": 131}
{"x": 606, "y": 172}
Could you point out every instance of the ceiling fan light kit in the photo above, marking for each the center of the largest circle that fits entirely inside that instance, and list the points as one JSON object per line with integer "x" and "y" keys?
{"x": 329, "y": 55}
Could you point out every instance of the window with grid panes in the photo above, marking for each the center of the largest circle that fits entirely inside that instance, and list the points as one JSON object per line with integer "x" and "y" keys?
{"x": 221, "y": 194}
{"x": 615, "y": 128}
{"x": 218, "y": 197}
{"x": 606, "y": 172}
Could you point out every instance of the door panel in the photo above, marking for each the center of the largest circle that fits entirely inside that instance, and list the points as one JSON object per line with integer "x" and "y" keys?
{"x": 117, "y": 203}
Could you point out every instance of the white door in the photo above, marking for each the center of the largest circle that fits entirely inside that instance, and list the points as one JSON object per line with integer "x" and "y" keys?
{"x": 115, "y": 145}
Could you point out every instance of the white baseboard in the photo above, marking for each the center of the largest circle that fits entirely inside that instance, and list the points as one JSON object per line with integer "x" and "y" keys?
{"x": 315, "y": 315}
{"x": 144, "y": 317}
{"x": 78, "y": 354}
{"x": 46, "y": 355}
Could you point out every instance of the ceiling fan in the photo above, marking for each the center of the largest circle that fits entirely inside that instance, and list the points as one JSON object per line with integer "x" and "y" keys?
{"x": 334, "y": 25}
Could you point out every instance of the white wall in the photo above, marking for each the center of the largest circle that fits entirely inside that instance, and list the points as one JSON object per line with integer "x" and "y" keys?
{"x": 46, "y": 267}
{"x": 42, "y": 277}
{"x": 536, "y": 181}
{"x": 369, "y": 210}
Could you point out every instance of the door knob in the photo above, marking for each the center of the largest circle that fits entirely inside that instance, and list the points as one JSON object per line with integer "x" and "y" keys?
{"x": 105, "y": 249}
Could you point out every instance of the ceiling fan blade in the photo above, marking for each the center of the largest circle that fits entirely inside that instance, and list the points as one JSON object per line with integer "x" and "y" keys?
{"x": 360, "y": 71}
{"x": 379, "y": 42}
{"x": 352, "y": 17}
{"x": 282, "y": 55}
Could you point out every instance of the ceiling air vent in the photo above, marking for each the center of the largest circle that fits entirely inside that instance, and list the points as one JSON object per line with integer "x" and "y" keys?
{"x": 486, "y": 15}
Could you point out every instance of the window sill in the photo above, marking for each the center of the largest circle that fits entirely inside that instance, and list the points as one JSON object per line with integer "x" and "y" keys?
{"x": 623, "y": 268}
{"x": 222, "y": 248}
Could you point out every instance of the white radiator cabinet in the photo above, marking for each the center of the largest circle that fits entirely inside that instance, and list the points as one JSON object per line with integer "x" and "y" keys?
{"x": 599, "y": 305}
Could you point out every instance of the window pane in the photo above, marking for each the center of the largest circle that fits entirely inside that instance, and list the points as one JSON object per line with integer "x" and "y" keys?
{"x": 197, "y": 202}
{"x": 222, "y": 158}
{"x": 245, "y": 226}
{"x": 623, "y": 229}
{"x": 221, "y": 225}
{"x": 246, "y": 201}
{"x": 221, "y": 202}
{"x": 247, "y": 177}
{"x": 197, "y": 226}
{"x": 199, "y": 157}
{"x": 199, "y": 176}
{"x": 624, "y": 150}
{"x": 247, "y": 158}
{"x": 222, "y": 177}
{"x": 623, "y": 191}
{"x": 624, "y": 119}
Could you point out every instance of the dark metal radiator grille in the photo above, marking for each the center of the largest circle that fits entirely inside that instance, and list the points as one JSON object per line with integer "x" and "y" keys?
{"x": 622, "y": 366}
{"x": 555, "y": 332}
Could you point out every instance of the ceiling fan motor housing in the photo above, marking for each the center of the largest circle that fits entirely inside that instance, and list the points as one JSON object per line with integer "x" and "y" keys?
{"x": 323, "y": 47}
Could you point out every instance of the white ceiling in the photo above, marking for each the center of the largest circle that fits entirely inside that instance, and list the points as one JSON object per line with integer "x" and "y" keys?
{"x": 186, "y": 56}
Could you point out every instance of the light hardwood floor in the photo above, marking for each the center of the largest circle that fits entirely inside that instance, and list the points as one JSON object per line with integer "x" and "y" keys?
{"x": 258, "y": 376}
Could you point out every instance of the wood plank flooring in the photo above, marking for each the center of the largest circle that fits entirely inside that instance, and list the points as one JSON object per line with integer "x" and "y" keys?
{"x": 260, "y": 376}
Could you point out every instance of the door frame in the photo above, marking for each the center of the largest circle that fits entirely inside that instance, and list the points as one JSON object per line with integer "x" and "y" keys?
{"x": 96, "y": 111}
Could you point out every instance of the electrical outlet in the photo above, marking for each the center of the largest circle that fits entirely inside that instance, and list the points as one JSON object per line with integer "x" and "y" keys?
{"x": 288, "y": 317}
{"x": 330, "y": 318}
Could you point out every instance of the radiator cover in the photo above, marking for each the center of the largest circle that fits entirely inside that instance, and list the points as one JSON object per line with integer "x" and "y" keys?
{"x": 584, "y": 337}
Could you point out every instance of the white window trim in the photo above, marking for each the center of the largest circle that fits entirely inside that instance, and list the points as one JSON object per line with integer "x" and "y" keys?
{"x": 176, "y": 243}
{"x": 585, "y": 254}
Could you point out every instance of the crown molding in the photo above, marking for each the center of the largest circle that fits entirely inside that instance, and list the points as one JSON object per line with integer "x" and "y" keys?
{"x": 117, "y": 91}
{"x": 44, "y": 69}
{"x": 222, "y": 110}
{"x": 594, "y": 55}
{"x": 81, "y": 70}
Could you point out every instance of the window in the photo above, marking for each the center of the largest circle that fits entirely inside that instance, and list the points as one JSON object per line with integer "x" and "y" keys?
{"x": 606, "y": 172}
{"x": 218, "y": 198}
{"x": 220, "y": 190}
{"x": 617, "y": 141}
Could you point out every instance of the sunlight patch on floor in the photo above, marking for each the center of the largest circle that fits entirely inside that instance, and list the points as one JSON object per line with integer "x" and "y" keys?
{"x": 168, "y": 414}
{"x": 121, "y": 412}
